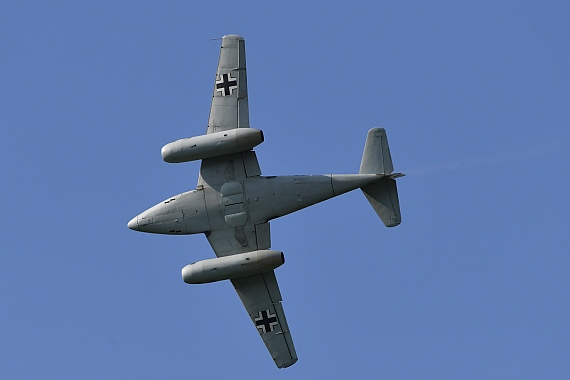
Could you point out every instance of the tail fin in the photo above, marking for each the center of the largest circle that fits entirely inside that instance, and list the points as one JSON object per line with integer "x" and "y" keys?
{"x": 382, "y": 195}
{"x": 376, "y": 158}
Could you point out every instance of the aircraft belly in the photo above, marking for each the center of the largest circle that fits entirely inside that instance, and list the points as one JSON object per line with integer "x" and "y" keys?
{"x": 235, "y": 214}
{"x": 271, "y": 197}
{"x": 257, "y": 199}
{"x": 213, "y": 202}
{"x": 229, "y": 219}
{"x": 194, "y": 212}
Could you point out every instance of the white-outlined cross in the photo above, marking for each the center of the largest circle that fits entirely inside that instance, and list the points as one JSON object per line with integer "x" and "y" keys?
{"x": 266, "y": 321}
{"x": 226, "y": 84}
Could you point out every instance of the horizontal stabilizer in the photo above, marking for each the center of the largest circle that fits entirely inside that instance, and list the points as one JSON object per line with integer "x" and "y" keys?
{"x": 383, "y": 196}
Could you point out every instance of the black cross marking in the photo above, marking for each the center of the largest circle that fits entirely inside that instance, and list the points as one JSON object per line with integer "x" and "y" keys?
{"x": 226, "y": 84}
{"x": 266, "y": 321}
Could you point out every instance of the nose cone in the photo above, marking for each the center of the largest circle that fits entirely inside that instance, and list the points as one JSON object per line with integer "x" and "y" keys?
{"x": 134, "y": 224}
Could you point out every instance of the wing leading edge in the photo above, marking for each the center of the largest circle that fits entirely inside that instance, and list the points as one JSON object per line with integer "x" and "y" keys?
{"x": 232, "y": 230}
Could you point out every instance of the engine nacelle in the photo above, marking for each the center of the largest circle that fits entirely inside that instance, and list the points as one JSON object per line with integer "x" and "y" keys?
{"x": 228, "y": 267}
{"x": 212, "y": 145}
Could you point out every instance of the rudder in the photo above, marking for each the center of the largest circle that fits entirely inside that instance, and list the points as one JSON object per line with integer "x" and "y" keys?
{"x": 382, "y": 195}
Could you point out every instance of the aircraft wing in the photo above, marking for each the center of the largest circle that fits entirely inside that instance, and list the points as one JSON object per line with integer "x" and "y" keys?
{"x": 259, "y": 293}
{"x": 221, "y": 178}
{"x": 261, "y": 297}
{"x": 232, "y": 230}
{"x": 229, "y": 107}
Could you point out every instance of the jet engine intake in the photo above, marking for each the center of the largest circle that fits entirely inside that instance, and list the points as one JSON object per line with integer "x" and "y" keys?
{"x": 228, "y": 267}
{"x": 212, "y": 145}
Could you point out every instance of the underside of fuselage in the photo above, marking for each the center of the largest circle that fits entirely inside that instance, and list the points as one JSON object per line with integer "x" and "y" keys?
{"x": 258, "y": 199}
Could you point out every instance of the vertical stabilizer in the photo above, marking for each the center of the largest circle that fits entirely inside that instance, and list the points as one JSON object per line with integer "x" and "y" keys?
{"x": 376, "y": 158}
{"x": 382, "y": 195}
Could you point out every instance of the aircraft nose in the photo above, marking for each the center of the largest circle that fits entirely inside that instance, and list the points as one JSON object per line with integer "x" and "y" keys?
{"x": 134, "y": 224}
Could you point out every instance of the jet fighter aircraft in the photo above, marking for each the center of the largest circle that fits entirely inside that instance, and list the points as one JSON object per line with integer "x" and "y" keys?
{"x": 233, "y": 203}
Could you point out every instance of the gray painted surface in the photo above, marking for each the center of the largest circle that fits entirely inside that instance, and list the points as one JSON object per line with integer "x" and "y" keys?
{"x": 233, "y": 203}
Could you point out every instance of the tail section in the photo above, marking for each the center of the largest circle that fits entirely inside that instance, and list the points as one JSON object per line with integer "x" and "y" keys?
{"x": 382, "y": 195}
{"x": 376, "y": 158}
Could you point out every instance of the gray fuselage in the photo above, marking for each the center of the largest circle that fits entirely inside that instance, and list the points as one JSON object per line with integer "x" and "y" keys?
{"x": 232, "y": 204}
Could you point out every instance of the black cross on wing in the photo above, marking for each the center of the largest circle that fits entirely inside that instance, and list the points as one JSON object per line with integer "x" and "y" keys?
{"x": 226, "y": 84}
{"x": 266, "y": 321}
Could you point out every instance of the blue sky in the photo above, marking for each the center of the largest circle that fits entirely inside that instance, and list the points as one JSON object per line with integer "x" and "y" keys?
{"x": 475, "y": 97}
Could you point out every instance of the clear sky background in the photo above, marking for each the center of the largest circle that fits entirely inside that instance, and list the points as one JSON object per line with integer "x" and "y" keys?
{"x": 475, "y": 97}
